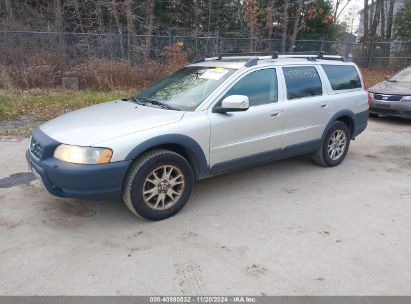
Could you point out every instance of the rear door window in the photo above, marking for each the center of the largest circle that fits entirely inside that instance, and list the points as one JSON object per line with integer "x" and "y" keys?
{"x": 302, "y": 81}
{"x": 342, "y": 77}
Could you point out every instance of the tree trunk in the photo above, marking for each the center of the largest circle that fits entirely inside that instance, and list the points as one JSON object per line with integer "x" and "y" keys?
{"x": 271, "y": 20}
{"x": 78, "y": 13}
{"x": 337, "y": 4}
{"x": 251, "y": 44}
{"x": 150, "y": 28}
{"x": 376, "y": 20}
{"x": 382, "y": 12}
{"x": 390, "y": 20}
{"x": 270, "y": 26}
{"x": 9, "y": 11}
{"x": 296, "y": 24}
{"x": 114, "y": 12}
{"x": 131, "y": 30}
{"x": 285, "y": 26}
{"x": 210, "y": 9}
{"x": 58, "y": 16}
{"x": 371, "y": 15}
{"x": 99, "y": 16}
{"x": 365, "y": 19}
{"x": 59, "y": 27}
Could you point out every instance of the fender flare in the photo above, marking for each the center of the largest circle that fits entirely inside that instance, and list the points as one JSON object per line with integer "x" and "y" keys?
{"x": 348, "y": 113}
{"x": 190, "y": 146}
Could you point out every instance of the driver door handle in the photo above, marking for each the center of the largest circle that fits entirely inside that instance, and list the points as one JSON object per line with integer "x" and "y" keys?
{"x": 324, "y": 105}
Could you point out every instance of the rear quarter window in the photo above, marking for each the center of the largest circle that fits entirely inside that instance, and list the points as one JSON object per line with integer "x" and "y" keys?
{"x": 302, "y": 81}
{"x": 342, "y": 77}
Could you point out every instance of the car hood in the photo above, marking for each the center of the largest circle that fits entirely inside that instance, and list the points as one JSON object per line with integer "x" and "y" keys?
{"x": 97, "y": 123}
{"x": 390, "y": 87}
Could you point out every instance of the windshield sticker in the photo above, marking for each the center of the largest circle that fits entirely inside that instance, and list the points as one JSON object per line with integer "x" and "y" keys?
{"x": 214, "y": 74}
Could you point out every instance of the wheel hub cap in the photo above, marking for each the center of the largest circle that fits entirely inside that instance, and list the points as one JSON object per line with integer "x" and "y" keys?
{"x": 337, "y": 144}
{"x": 163, "y": 187}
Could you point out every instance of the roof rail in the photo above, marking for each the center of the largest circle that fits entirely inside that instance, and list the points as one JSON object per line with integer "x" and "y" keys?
{"x": 312, "y": 56}
{"x": 253, "y": 57}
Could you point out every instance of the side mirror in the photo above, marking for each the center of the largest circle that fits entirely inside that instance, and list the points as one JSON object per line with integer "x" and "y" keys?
{"x": 233, "y": 103}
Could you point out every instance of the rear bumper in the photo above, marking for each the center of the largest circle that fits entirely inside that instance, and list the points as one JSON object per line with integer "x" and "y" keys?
{"x": 397, "y": 108}
{"x": 360, "y": 123}
{"x": 102, "y": 181}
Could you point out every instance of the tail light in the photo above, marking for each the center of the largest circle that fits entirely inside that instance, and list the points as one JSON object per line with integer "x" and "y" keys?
{"x": 364, "y": 85}
{"x": 370, "y": 96}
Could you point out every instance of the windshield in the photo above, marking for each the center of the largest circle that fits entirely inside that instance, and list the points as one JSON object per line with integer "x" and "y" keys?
{"x": 187, "y": 88}
{"x": 402, "y": 76}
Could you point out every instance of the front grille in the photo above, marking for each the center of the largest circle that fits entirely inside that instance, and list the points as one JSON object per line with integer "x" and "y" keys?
{"x": 36, "y": 148}
{"x": 384, "y": 111}
{"x": 390, "y": 112}
{"x": 382, "y": 106}
{"x": 385, "y": 97}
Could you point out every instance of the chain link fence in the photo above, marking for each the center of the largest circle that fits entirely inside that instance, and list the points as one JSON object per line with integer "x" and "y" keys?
{"x": 19, "y": 47}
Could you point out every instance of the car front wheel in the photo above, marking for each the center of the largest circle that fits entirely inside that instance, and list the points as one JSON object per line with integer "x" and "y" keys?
{"x": 334, "y": 147}
{"x": 158, "y": 185}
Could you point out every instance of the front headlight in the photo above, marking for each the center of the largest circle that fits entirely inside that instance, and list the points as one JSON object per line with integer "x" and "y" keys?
{"x": 83, "y": 155}
{"x": 406, "y": 98}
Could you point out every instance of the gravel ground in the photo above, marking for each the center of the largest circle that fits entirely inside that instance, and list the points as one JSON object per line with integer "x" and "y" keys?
{"x": 286, "y": 228}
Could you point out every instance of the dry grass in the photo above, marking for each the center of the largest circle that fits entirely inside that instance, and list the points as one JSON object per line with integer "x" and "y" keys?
{"x": 374, "y": 76}
{"x": 45, "y": 71}
{"x": 43, "y": 105}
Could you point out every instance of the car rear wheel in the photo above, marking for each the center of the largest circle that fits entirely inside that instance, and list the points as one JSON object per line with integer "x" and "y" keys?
{"x": 158, "y": 185}
{"x": 334, "y": 147}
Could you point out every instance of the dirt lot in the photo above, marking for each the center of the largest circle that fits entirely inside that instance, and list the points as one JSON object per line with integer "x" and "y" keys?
{"x": 286, "y": 228}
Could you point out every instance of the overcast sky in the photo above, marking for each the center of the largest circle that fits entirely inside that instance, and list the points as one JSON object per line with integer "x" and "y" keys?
{"x": 350, "y": 14}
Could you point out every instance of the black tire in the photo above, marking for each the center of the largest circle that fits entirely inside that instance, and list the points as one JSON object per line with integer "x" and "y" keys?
{"x": 322, "y": 157}
{"x": 373, "y": 114}
{"x": 136, "y": 179}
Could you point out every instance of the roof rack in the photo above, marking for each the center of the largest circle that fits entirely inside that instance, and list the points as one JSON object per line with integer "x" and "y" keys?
{"x": 253, "y": 57}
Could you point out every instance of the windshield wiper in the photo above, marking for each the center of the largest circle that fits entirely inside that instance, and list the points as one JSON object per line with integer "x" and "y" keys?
{"x": 156, "y": 103}
{"x": 133, "y": 99}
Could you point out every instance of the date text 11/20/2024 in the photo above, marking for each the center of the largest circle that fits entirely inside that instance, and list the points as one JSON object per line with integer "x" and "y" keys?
{"x": 204, "y": 299}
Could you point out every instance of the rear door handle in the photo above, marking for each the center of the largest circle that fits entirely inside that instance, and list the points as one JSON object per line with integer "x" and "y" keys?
{"x": 275, "y": 114}
{"x": 324, "y": 105}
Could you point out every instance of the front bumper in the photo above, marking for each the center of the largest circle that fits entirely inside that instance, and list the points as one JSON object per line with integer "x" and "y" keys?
{"x": 101, "y": 181}
{"x": 391, "y": 108}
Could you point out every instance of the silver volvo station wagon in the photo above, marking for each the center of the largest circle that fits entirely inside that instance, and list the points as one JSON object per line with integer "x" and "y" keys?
{"x": 211, "y": 117}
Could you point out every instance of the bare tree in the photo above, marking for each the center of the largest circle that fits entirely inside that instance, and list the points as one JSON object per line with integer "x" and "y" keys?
{"x": 99, "y": 16}
{"x": 59, "y": 26}
{"x": 150, "y": 28}
{"x": 382, "y": 16}
{"x": 115, "y": 13}
{"x": 337, "y": 5}
{"x": 9, "y": 11}
{"x": 365, "y": 20}
{"x": 131, "y": 29}
{"x": 210, "y": 10}
{"x": 390, "y": 20}
{"x": 251, "y": 11}
{"x": 371, "y": 14}
{"x": 271, "y": 19}
{"x": 58, "y": 16}
{"x": 285, "y": 25}
{"x": 376, "y": 19}
{"x": 296, "y": 24}
{"x": 337, "y": 16}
